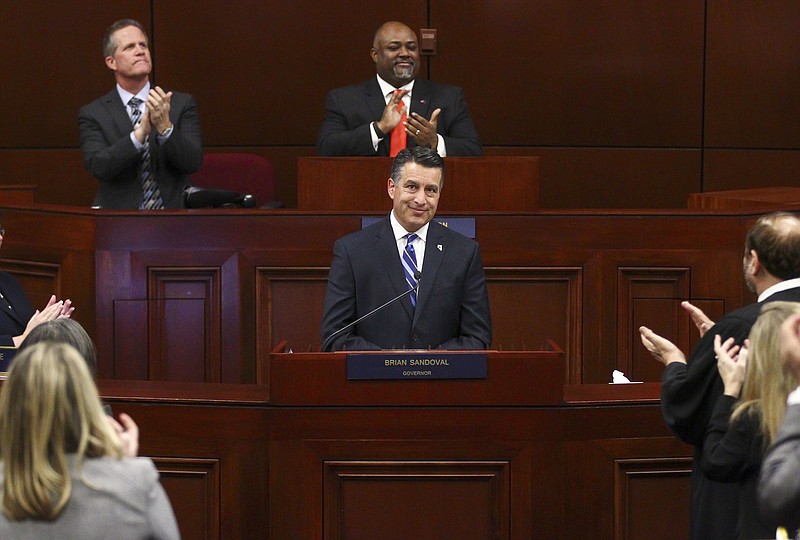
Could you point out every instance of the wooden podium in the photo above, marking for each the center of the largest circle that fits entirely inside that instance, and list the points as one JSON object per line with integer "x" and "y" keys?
{"x": 515, "y": 378}
{"x": 351, "y": 184}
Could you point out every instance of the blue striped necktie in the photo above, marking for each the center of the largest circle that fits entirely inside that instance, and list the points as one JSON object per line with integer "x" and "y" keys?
{"x": 410, "y": 266}
{"x": 151, "y": 196}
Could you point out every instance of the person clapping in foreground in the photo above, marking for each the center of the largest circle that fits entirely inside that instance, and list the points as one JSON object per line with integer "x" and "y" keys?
{"x": 65, "y": 472}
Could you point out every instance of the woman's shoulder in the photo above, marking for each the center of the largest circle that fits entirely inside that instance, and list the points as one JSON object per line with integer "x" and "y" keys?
{"x": 139, "y": 471}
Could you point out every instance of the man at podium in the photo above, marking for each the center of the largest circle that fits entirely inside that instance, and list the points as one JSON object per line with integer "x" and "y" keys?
{"x": 407, "y": 282}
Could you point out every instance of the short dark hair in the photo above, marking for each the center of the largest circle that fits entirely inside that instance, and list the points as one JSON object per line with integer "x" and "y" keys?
{"x": 64, "y": 330}
{"x": 421, "y": 155}
{"x": 109, "y": 45}
{"x": 775, "y": 238}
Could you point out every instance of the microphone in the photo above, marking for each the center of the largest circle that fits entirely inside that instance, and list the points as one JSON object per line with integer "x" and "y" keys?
{"x": 413, "y": 289}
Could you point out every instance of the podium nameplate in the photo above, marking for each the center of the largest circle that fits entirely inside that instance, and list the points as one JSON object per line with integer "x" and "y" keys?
{"x": 417, "y": 365}
{"x": 6, "y": 356}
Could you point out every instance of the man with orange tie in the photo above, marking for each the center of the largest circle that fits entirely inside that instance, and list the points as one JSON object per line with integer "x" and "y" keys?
{"x": 396, "y": 110}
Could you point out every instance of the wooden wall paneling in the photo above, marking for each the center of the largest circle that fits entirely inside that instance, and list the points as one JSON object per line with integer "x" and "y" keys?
{"x": 728, "y": 169}
{"x": 213, "y": 462}
{"x": 184, "y": 314}
{"x": 613, "y": 177}
{"x": 177, "y": 319}
{"x": 58, "y": 173}
{"x": 193, "y": 487}
{"x": 646, "y": 296}
{"x": 532, "y": 305}
{"x": 289, "y": 308}
{"x": 416, "y": 499}
{"x": 651, "y": 498}
{"x": 567, "y": 74}
{"x": 751, "y": 70}
{"x": 649, "y": 286}
{"x": 51, "y": 251}
{"x": 631, "y": 486}
{"x": 565, "y": 469}
{"x": 422, "y": 483}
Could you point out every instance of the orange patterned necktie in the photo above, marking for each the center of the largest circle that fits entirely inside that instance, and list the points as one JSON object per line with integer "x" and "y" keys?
{"x": 398, "y": 141}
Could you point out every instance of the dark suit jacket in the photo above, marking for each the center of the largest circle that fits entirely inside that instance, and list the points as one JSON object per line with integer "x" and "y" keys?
{"x": 779, "y": 485}
{"x": 111, "y": 157}
{"x": 733, "y": 452}
{"x": 452, "y": 309}
{"x": 688, "y": 395}
{"x": 351, "y": 110}
{"x": 13, "y": 321}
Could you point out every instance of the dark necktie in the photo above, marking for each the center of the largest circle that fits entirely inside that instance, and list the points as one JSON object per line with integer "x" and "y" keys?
{"x": 410, "y": 266}
{"x": 151, "y": 196}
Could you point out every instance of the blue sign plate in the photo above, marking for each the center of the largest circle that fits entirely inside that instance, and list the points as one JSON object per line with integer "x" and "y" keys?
{"x": 417, "y": 365}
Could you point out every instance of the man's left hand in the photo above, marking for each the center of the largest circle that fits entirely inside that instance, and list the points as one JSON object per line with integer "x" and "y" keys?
{"x": 423, "y": 131}
{"x": 158, "y": 103}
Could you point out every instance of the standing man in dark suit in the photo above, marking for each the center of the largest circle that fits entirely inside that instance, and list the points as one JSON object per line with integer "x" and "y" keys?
{"x": 360, "y": 119}
{"x": 139, "y": 141}
{"x": 450, "y": 308}
{"x": 689, "y": 390}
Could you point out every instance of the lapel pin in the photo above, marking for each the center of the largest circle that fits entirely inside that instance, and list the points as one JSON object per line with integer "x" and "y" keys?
{"x": 439, "y": 247}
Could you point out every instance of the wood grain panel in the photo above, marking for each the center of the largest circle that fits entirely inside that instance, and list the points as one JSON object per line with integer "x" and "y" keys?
{"x": 289, "y": 304}
{"x": 743, "y": 169}
{"x": 613, "y": 177}
{"x": 648, "y": 296}
{"x": 654, "y": 470}
{"x": 58, "y": 174}
{"x": 533, "y": 305}
{"x": 751, "y": 74}
{"x": 193, "y": 488}
{"x": 651, "y": 494}
{"x": 413, "y": 499}
{"x": 625, "y": 73}
{"x": 184, "y": 330}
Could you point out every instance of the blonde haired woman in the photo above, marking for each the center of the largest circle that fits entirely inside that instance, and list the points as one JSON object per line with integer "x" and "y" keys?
{"x": 742, "y": 427}
{"x": 63, "y": 474}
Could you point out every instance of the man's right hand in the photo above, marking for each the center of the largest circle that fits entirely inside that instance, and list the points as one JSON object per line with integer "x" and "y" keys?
{"x": 660, "y": 347}
{"x": 142, "y": 131}
{"x": 700, "y": 320}
{"x": 391, "y": 115}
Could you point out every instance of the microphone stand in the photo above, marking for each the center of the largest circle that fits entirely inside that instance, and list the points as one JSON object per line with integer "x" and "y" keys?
{"x": 369, "y": 314}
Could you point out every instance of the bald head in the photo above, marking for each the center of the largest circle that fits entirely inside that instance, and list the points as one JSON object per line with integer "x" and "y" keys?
{"x": 395, "y": 52}
{"x": 775, "y": 241}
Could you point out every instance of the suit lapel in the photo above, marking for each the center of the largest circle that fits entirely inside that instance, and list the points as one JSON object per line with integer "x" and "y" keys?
{"x": 118, "y": 112}
{"x": 376, "y": 102}
{"x": 435, "y": 248}
{"x": 420, "y": 98}
{"x": 386, "y": 251}
{"x": 10, "y": 312}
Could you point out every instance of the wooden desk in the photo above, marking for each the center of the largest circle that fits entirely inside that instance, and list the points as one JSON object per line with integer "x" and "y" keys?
{"x": 764, "y": 199}
{"x": 499, "y": 184}
{"x": 205, "y": 295}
